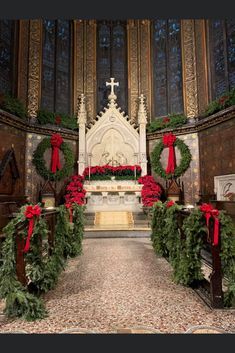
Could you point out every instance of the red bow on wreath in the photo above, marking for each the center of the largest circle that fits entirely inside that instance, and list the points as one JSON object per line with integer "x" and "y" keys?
{"x": 209, "y": 212}
{"x": 168, "y": 141}
{"x": 30, "y": 213}
{"x": 56, "y": 141}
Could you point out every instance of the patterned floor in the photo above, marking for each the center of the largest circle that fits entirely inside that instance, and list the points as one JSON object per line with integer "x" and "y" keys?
{"x": 119, "y": 285}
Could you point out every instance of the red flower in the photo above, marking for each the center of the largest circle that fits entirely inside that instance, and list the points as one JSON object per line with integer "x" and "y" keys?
{"x": 58, "y": 120}
{"x": 151, "y": 190}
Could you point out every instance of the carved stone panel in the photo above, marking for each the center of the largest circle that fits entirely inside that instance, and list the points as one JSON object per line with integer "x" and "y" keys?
{"x": 78, "y": 61}
{"x": 90, "y": 67}
{"x": 23, "y": 60}
{"x": 144, "y": 48}
{"x": 35, "y": 57}
{"x": 201, "y": 64}
{"x": 189, "y": 68}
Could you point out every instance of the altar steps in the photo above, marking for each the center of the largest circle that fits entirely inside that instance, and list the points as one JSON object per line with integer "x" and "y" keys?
{"x": 119, "y": 221}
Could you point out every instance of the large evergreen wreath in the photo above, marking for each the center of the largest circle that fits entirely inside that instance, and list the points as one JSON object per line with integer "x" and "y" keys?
{"x": 186, "y": 158}
{"x": 39, "y": 161}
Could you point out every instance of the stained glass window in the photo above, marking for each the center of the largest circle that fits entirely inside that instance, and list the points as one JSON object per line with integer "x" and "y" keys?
{"x": 7, "y": 56}
{"x": 222, "y": 53}
{"x": 167, "y": 67}
{"x": 56, "y": 66}
{"x": 111, "y": 61}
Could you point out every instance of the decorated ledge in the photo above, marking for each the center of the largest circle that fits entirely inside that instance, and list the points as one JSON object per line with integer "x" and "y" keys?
{"x": 14, "y": 121}
{"x": 198, "y": 125}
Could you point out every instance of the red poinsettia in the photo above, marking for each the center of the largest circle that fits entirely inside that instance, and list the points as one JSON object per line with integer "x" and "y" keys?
{"x": 121, "y": 170}
{"x": 151, "y": 190}
{"x": 75, "y": 193}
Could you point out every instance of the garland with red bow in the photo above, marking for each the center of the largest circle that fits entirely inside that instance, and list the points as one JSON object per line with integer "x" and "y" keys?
{"x": 170, "y": 141}
{"x": 210, "y": 212}
{"x": 31, "y": 213}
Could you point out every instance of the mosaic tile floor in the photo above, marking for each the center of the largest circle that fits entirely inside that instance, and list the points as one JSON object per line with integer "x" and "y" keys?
{"x": 119, "y": 285}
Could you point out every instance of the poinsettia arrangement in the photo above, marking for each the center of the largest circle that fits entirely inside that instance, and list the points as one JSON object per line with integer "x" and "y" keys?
{"x": 75, "y": 193}
{"x": 107, "y": 171}
{"x": 151, "y": 191}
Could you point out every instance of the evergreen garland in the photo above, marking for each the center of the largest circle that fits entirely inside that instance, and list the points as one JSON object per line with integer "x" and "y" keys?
{"x": 171, "y": 233}
{"x": 42, "y": 270}
{"x": 168, "y": 122}
{"x": 39, "y": 162}
{"x": 185, "y": 254}
{"x": 186, "y": 158}
{"x": 227, "y": 230}
{"x": 157, "y": 226}
{"x": 188, "y": 269}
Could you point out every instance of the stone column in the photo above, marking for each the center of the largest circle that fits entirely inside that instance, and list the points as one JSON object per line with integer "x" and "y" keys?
{"x": 142, "y": 120}
{"x": 82, "y": 119}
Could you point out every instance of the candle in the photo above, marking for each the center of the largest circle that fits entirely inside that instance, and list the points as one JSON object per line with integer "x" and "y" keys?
{"x": 135, "y": 172}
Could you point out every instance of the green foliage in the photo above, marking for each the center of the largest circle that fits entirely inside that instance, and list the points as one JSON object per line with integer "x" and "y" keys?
{"x": 184, "y": 253}
{"x": 42, "y": 270}
{"x": 171, "y": 121}
{"x": 227, "y": 229}
{"x": 188, "y": 270}
{"x": 66, "y": 121}
{"x": 186, "y": 158}
{"x": 13, "y": 106}
{"x": 39, "y": 162}
{"x": 225, "y": 101}
{"x": 158, "y": 224}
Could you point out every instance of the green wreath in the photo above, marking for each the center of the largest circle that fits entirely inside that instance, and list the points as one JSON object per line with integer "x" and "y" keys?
{"x": 39, "y": 162}
{"x": 186, "y": 158}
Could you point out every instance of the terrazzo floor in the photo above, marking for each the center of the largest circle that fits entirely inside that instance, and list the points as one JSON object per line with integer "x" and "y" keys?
{"x": 119, "y": 285}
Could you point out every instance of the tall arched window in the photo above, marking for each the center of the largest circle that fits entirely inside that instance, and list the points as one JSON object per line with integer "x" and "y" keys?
{"x": 8, "y": 56}
{"x": 167, "y": 67}
{"x": 111, "y": 61}
{"x": 222, "y": 56}
{"x": 56, "y": 66}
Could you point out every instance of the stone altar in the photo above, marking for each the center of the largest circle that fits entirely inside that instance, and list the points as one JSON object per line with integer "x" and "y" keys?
{"x": 113, "y": 195}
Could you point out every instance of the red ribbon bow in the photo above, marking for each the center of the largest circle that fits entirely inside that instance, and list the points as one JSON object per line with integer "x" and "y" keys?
{"x": 30, "y": 213}
{"x": 56, "y": 141}
{"x": 209, "y": 212}
{"x": 168, "y": 141}
{"x": 170, "y": 203}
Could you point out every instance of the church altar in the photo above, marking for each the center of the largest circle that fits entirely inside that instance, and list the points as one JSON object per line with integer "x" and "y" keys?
{"x": 113, "y": 195}
{"x": 112, "y": 138}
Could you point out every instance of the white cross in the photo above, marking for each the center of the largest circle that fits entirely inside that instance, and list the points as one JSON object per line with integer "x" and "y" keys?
{"x": 112, "y": 84}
